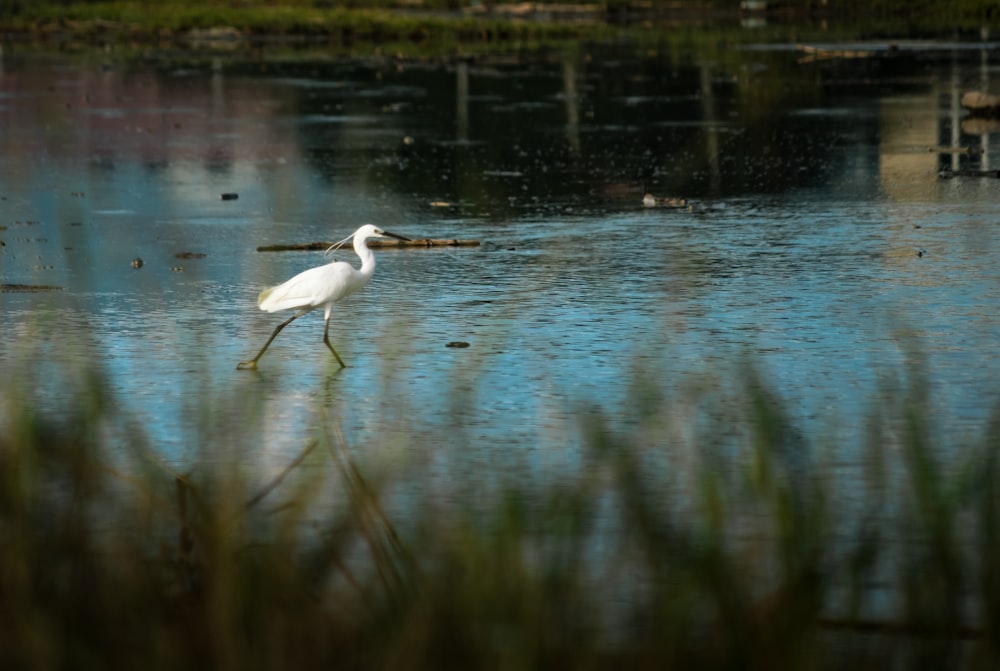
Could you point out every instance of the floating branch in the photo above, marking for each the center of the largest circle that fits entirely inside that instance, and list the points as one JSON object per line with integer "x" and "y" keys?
{"x": 425, "y": 242}
{"x": 318, "y": 246}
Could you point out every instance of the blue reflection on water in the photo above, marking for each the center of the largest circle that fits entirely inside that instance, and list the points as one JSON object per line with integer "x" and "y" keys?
{"x": 818, "y": 270}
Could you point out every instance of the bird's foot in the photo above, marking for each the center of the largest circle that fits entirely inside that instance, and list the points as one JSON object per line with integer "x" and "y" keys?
{"x": 247, "y": 365}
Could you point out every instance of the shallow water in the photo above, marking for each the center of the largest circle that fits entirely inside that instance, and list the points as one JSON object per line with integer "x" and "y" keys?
{"x": 820, "y": 242}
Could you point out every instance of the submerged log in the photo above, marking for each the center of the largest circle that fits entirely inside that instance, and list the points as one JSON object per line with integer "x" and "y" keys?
{"x": 373, "y": 243}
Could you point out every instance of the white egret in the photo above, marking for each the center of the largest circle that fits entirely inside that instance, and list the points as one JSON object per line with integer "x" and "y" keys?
{"x": 321, "y": 287}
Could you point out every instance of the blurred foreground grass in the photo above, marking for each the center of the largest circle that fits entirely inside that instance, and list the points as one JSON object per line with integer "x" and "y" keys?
{"x": 702, "y": 530}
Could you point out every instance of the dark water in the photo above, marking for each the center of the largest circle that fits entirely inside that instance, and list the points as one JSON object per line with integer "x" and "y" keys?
{"x": 821, "y": 241}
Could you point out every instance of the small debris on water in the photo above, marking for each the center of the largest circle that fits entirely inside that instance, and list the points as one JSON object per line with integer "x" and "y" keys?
{"x": 649, "y": 200}
{"x": 178, "y": 269}
{"x": 970, "y": 151}
{"x": 19, "y": 288}
{"x": 503, "y": 173}
{"x": 948, "y": 173}
{"x": 921, "y": 252}
{"x": 457, "y": 343}
{"x": 137, "y": 262}
{"x": 189, "y": 255}
{"x": 229, "y": 196}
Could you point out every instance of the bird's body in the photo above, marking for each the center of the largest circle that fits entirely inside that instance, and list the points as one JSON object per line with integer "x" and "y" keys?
{"x": 321, "y": 286}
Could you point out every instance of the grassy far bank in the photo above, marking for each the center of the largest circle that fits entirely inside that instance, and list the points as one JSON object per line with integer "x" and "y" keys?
{"x": 432, "y": 23}
{"x": 682, "y": 544}
{"x": 226, "y": 24}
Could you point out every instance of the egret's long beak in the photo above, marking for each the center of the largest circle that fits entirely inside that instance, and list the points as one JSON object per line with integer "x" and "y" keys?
{"x": 398, "y": 237}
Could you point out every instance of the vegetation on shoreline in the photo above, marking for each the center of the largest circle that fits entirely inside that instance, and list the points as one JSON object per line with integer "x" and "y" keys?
{"x": 436, "y": 26}
{"x": 702, "y": 531}
{"x": 138, "y": 20}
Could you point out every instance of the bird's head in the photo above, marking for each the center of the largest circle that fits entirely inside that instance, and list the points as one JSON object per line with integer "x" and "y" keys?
{"x": 371, "y": 231}
{"x": 364, "y": 233}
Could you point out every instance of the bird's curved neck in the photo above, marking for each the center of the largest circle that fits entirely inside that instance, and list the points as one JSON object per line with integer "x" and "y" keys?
{"x": 366, "y": 256}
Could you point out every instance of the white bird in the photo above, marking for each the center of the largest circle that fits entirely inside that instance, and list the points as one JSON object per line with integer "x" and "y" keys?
{"x": 321, "y": 287}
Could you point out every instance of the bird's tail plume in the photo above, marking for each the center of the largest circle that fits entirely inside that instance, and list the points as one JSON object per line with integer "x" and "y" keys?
{"x": 262, "y": 296}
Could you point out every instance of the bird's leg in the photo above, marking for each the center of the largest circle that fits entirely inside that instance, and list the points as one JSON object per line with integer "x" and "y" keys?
{"x": 326, "y": 339}
{"x": 252, "y": 363}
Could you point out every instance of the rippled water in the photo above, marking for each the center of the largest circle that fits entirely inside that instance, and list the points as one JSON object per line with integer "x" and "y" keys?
{"x": 820, "y": 241}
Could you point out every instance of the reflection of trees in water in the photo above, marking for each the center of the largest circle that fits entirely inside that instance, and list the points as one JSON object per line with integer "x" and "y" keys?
{"x": 578, "y": 130}
{"x": 581, "y": 129}
{"x": 218, "y": 160}
{"x": 120, "y": 113}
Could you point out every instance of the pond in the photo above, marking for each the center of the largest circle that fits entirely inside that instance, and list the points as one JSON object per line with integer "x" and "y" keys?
{"x": 822, "y": 238}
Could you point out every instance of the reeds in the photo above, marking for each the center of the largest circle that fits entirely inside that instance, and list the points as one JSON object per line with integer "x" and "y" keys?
{"x": 701, "y": 530}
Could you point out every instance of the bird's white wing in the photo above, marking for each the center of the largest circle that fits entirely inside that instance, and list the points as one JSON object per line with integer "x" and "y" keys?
{"x": 309, "y": 289}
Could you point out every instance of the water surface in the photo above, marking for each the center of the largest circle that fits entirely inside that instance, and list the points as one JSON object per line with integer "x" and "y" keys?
{"x": 821, "y": 241}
